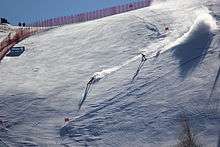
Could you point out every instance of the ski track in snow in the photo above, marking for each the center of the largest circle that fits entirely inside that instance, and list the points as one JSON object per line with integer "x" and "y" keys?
{"x": 204, "y": 22}
{"x": 44, "y": 85}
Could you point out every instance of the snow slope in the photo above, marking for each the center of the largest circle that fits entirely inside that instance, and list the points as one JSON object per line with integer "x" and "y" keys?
{"x": 5, "y": 30}
{"x": 44, "y": 85}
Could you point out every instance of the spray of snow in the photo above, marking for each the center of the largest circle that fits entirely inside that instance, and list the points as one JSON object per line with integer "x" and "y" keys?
{"x": 204, "y": 23}
{"x": 105, "y": 72}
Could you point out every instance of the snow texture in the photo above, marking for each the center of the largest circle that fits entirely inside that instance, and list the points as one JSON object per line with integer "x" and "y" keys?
{"x": 46, "y": 83}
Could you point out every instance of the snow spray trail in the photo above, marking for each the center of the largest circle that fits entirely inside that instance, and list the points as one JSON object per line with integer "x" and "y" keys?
{"x": 99, "y": 75}
{"x": 204, "y": 23}
{"x": 75, "y": 129}
{"x": 154, "y": 80}
{"x": 195, "y": 42}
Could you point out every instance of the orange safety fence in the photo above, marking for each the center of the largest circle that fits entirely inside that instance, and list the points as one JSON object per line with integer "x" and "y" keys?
{"x": 12, "y": 39}
{"x": 92, "y": 15}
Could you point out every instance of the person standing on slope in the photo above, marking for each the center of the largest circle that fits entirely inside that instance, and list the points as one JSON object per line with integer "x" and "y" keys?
{"x": 143, "y": 59}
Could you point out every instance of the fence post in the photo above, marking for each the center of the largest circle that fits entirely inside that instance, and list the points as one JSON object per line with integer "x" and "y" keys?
{"x": 97, "y": 14}
{"x": 51, "y": 22}
{"x": 35, "y": 24}
{"x": 40, "y": 23}
{"x": 108, "y": 12}
{"x": 83, "y": 17}
{"x": 58, "y": 21}
{"x": 64, "y": 20}
{"x": 68, "y": 19}
{"x": 71, "y": 19}
{"x": 47, "y": 23}
{"x": 117, "y": 9}
{"x": 86, "y": 16}
{"x": 101, "y": 13}
{"x": 54, "y": 22}
{"x": 143, "y": 4}
{"x": 43, "y": 23}
{"x": 135, "y": 5}
{"x": 94, "y": 17}
{"x": 147, "y": 3}
{"x": 138, "y": 5}
{"x": 74, "y": 18}
{"x": 78, "y": 18}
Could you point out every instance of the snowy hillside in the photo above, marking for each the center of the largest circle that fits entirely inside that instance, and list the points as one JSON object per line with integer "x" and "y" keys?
{"x": 5, "y": 29}
{"x": 46, "y": 83}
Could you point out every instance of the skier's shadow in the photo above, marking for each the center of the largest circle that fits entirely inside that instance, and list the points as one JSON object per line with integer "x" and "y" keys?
{"x": 89, "y": 85}
{"x": 195, "y": 46}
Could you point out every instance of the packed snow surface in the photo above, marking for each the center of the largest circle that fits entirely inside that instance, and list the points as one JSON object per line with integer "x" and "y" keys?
{"x": 43, "y": 86}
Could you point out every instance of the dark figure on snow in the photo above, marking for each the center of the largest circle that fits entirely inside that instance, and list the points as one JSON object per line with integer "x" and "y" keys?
{"x": 143, "y": 57}
{"x": 19, "y": 24}
{"x": 23, "y": 24}
{"x": 157, "y": 54}
{"x": 92, "y": 81}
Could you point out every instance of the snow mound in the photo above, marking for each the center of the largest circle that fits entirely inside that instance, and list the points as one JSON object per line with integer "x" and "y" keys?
{"x": 204, "y": 24}
{"x": 195, "y": 43}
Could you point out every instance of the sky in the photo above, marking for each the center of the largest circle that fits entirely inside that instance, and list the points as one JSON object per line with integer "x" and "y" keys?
{"x": 33, "y": 10}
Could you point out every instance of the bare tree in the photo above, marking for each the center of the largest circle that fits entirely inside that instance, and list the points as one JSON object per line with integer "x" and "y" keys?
{"x": 187, "y": 137}
{"x": 218, "y": 145}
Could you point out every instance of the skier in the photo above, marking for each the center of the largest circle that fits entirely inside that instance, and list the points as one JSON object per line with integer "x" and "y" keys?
{"x": 88, "y": 86}
{"x": 166, "y": 28}
{"x": 92, "y": 81}
{"x": 157, "y": 54}
{"x": 143, "y": 59}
